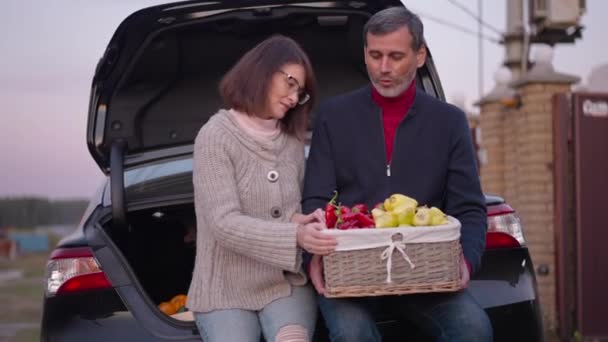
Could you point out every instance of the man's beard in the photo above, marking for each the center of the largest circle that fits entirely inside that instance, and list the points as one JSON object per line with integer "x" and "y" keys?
{"x": 400, "y": 86}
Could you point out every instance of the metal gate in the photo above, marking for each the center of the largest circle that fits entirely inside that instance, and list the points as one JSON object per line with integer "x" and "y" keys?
{"x": 580, "y": 124}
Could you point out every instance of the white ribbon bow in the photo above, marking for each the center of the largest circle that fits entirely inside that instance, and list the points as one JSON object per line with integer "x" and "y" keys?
{"x": 388, "y": 254}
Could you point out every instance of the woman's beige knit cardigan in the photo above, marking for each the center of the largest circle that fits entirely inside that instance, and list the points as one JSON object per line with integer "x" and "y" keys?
{"x": 246, "y": 257}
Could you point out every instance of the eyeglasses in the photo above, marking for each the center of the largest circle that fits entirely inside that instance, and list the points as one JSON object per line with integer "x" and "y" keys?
{"x": 294, "y": 87}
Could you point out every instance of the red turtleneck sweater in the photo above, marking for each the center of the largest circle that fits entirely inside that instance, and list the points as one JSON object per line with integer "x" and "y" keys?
{"x": 394, "y": 109}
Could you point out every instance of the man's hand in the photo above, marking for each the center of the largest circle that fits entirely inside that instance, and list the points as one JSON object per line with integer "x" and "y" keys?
{"x": 315, "y": 272}
{"x": 310, "y": 237}
{"x": 316, "y": 216}
{"x": 465, "y": 276}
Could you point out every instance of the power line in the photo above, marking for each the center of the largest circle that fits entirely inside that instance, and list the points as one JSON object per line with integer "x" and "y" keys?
{"x": 457, "y": 27}
{"x": 475, "y": 16}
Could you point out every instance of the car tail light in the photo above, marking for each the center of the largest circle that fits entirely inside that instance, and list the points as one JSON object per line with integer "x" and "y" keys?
{"x": 73, "y": 270}
{"x": 504, "y": 228}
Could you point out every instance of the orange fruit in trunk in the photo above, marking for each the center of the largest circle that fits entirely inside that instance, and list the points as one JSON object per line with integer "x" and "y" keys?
{"x": 179, "y": 301}
{"x": 167, "y": 308}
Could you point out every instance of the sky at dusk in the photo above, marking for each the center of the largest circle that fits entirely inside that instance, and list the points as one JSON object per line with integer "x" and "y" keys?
{"x": 49, "y": 49}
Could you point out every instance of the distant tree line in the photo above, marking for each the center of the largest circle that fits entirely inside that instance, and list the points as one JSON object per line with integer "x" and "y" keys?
{"x": 32, "y": 212}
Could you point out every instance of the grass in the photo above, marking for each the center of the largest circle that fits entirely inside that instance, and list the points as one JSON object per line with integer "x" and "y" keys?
{"x": 22, "y": 301}
{"x": 27, "y": 335}
{"x": 32, "y": 265}
{"x": 22, "y": 297}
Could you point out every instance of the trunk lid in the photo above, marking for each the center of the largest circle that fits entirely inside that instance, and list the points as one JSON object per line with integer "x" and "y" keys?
{"x": 156, "y": 84}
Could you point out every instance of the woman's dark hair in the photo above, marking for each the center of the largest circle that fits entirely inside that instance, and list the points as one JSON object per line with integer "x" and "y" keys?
{"x": 245, "y": 87}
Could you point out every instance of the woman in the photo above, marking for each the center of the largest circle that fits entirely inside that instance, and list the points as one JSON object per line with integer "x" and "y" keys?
{"x": 248, "y": 174}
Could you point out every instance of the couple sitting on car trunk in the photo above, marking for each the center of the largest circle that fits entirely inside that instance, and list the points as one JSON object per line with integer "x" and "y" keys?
{"x": 258, "y": 201}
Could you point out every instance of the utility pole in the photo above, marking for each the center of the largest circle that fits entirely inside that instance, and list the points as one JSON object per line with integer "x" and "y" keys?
{"x": 514, "y": 38}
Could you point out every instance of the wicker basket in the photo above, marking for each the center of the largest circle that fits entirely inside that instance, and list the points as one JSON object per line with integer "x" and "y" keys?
{"x": 394, "y": 261}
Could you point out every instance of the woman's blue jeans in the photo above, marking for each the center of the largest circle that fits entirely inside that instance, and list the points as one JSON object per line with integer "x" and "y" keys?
{"x": 444, "y": 316}
{"x": 235, "y": 325}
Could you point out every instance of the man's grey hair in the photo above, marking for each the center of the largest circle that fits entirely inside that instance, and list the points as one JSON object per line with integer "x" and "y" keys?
{"x": 392, "y": 19}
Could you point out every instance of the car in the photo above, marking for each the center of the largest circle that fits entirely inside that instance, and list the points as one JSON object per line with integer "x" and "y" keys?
{"x": 152, "y": 90}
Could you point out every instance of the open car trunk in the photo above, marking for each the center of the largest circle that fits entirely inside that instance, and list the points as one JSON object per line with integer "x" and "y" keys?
{"x": 160, "y": 249}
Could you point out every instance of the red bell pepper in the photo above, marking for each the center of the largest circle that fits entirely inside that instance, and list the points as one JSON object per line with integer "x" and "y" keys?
{"x": 331, "y": 212}
{"x": 347, "y": 215}
{"x": 359, "y": 208}
{"x": 365, "y": 221}
{"x": 350, "y": 223}
{"x": 344, "y": 215}
{"x": 344, "y": 210}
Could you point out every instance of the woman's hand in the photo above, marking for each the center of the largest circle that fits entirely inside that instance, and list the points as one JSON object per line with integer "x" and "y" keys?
{"x": 310, "y": 237}
{"x": 316, "y": 216}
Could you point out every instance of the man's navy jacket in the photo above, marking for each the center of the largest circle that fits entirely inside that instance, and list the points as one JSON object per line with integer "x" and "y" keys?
{"x": 433, "y": 161}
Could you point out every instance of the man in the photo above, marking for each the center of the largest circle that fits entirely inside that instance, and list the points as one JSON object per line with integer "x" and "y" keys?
{"x": 392, "y": 138}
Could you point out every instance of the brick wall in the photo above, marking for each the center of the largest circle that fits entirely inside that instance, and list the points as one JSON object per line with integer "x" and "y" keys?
{"x": 535, "y": 185}
{"x": 519, "y": 147}
{"x": 492, "y": 125}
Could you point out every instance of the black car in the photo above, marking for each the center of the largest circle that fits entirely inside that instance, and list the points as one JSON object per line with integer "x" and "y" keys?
{"x": 153, "y": 89}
